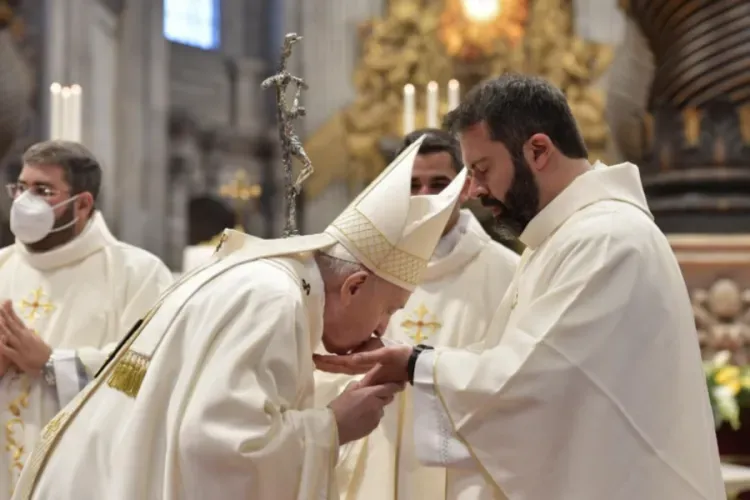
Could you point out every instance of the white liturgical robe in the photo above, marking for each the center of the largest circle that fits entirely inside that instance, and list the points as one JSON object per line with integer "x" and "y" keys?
{"x": 211, "y": 395}
{"x": 80, "y": 298}
{"x": 463, "y": 284}
{"x": 591, "y": 385}
{"x": 250, "y": 334}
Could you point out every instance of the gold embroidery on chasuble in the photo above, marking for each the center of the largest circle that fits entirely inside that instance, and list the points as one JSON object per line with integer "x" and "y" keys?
{"x": 421, "y": 324}
{"x": 34, "y": 307}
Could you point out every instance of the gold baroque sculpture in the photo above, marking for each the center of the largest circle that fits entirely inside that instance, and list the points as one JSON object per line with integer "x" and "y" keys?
{"x": 408, "y": 45}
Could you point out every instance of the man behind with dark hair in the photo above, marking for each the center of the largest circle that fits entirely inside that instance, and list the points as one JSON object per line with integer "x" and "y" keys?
{"x": 208, "y": 217}
{"x": 591, "y": 384}
{"x": 465, "y": 280}
{"x": 68, "y": 288}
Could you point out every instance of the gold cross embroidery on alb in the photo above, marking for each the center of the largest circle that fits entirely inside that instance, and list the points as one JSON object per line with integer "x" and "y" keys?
{"x": 35, "y": 306}
{"x": 418, "y": 323}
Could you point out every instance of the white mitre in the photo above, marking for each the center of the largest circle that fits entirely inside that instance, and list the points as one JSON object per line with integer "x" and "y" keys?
{"x": 386, "y": 229}
{"x": 391, "y": 232}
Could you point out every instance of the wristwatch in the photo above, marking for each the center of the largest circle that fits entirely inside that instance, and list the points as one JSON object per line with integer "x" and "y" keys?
{"x": 48, "y": 373}
{"x": 411, "y": 365}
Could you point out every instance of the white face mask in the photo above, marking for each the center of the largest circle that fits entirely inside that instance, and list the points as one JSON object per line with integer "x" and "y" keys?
{"x": 32, "y": 219}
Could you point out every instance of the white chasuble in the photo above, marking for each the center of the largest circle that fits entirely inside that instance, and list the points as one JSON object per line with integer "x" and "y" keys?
{"x": 463, "y": 284}
{"x": 591, "y": 384}
{"x": 223, "y": 409}
{"x": 80, "y": 298}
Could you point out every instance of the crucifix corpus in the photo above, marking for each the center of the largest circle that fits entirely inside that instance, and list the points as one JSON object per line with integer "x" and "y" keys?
{"x": 291, "y": 146}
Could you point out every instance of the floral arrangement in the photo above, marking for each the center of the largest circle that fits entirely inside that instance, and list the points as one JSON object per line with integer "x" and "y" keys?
{"x": 728, "y": 388}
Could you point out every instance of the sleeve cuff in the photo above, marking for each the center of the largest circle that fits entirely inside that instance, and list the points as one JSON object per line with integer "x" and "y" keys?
{"x": 434, "y": 439}
{"x": 66, "y": 374}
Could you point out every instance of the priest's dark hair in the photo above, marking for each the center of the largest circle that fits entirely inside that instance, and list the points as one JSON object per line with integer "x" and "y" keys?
{"x": 515, "y": 107}
{"x": 208, "y": 216}
{"x": 437, "y": 141}
{"x": 81, "y": 170}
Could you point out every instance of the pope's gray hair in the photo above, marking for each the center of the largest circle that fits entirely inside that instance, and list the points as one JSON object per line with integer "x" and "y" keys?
{"x": 335, "y": 269}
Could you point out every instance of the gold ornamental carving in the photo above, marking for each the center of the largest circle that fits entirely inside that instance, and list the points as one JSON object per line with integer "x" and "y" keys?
{"x": 419, "y": 41}
{"x": 722, "y": 317}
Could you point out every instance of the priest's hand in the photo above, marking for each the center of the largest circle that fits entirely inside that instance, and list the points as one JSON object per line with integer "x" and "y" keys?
{"x": 358, "y": 409}
{"x": 22, "y": 345}
{"x": 384, "y": 365}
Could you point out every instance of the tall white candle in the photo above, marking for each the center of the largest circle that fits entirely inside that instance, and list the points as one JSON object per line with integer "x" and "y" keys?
{"x": 432, "y": 104}
{"x": 76, "y": 94}
{"x": 454, "y": 95}
{"x": 409, "y": 108}
{"x": 55, "y": 111}
{"x": 66, "y": 114}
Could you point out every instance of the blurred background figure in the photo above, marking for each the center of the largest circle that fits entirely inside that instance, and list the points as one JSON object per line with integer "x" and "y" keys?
{"x": 208, "y": 217}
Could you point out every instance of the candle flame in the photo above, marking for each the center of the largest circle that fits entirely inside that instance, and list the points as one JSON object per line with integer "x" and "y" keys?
{"x": 481, "y": 10}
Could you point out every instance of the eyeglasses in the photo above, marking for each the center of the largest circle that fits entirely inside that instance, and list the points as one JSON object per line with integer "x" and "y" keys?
{"x": 16, "y": 189}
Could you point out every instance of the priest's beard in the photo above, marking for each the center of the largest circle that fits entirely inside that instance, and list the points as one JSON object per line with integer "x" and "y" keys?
{"x": 521, "y": 201}
{"x": 58, "y": 238}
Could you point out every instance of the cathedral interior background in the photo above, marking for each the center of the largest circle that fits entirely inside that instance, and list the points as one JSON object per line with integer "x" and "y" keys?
{"x": 169, "y": 99}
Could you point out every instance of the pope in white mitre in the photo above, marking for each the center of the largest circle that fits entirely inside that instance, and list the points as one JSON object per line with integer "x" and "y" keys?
{"x": 590, "y": 385}
{"x": 210, "y": 397}
{"x": 465, "y": 279}
{"x": 68, "y": 289}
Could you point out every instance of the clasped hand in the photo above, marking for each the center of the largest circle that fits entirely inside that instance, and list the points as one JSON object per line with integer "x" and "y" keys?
{"x": 381, "y": 366}
{"x": 359, "y": 409}
{"x": 19, "y": 345}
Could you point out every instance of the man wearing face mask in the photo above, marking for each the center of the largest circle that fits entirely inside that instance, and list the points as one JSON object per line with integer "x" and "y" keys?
{"x": 591, "y": 384}
{"x": 68, "y": 291}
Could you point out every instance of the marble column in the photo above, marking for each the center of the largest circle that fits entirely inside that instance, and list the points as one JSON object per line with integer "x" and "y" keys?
{"x": 247, "y": 93}
{"x": 628, "y": 89}
{"x": 628, "y": 79}
{"x": 97, "y": 74}
{"x": 142, "y": 120}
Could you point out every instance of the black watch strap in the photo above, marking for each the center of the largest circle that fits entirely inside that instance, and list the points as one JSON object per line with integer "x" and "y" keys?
{"x": 412, "y": 364}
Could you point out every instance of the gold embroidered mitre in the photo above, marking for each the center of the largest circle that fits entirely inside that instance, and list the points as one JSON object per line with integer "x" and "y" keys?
{"x": 391, "y": 232}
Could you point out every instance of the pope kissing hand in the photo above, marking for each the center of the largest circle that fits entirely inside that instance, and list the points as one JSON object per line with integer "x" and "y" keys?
{"x": 20, "y": 344}
{"x": 382, "y": 366}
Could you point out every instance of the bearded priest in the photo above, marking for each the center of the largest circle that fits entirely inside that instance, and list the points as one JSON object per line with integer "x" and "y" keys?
{"x": 211, "y": 396}
{"x": 591, "y": 383}
{"x": 465, "y": 279}
{"x": 68, "y": 289}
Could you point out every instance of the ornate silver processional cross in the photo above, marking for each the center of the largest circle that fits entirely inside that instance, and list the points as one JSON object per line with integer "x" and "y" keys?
{"x": 291, "y": 146}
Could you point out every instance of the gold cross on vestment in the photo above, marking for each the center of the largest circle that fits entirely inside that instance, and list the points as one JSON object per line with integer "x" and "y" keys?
{"x": 419, "y": 323}
{"x": 35, "y": 306}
